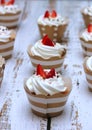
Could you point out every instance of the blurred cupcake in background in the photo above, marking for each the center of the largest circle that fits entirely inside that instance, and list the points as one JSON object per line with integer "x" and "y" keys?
{"x": 52, "y": 24}
{"x": 86, "y": 40}
{"x": 47, "y": 53}
{"x": 87, "y": 64}
{"x": 9, "y": 13}
{"x": 2, "y": 67}
{"x": 87, "y": 15}
{"x": 7, "y": 38}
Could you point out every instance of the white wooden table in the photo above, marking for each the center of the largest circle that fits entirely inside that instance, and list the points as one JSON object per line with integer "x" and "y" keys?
{"x": 15, "y": 111}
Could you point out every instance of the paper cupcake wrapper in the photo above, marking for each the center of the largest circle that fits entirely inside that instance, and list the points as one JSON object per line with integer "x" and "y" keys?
{"x": 9, "y": 20}
{"x": 6, "y": 49}
{"x": 54, "y": 62}
{"x": 88, "y": 74}
{"x": 49, "y": 106}
{"x": 2, "y": 66}
{"x": 1, "y": 76}
{"x": 87, "y": 19}
{"x": 86, "y": 47}
{"x": 55, "y": 33}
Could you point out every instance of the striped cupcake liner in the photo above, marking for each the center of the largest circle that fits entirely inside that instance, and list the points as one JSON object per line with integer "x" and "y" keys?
{"x": 6, "y": 49}
{"x": 87, "y": 48}
{"x": 88, "y": 74}
{"x": 48, "y": 106}
{"x": 54, "y": 62}
{"x": 55, "y": 33}
{"x": 87, "y": 19}
{"x": 9, "y": 20}
{"x": 2, "y": 66}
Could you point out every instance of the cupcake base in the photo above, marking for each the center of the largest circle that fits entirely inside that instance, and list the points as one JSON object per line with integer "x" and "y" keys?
{"x": 54, "y": 62}
{"x": 47, "y": 115}
{"x": 49, "y": 106}
{"x": 6, "y": 49}
{"x": 2, "y": 66}
{"x": 86, "y": 47}
{"x": 10, "y": 20}
{"x": 88, "y": 74}
{"x": 87, "y": 19}
{"x": 55, "y": 33}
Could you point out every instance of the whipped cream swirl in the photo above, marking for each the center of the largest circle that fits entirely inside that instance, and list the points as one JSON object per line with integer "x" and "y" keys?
{"x": 5, "y": 34}
{"x": 89, "y": 63}
{"x": 47, "y": 52}
{"x": 9, "y": 9}
{"x": 58, "y": 20}
{"x": 88, "y": 10}
{"x": 86, "y": 35}
{"x": 50, "y": 86}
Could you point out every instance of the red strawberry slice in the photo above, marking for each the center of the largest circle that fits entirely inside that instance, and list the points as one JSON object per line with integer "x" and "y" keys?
{"x": 2, "y": 2}
{"x": 53, "y": 14}
{"x": 10, "y": 2}
{"x": 51, "y": 73}
{"x": 47, "y": 41}
{"x": 40, "y": 71}
{"x": 46, "y": 15}
{"x": 90, "y": 28}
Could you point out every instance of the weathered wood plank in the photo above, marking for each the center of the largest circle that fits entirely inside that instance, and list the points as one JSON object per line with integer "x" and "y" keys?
{"x": 15, "y": 111}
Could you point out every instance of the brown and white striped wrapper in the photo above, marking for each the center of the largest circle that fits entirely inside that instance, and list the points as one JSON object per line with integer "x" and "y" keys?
{"x": 88, "y": 73}
{"x": 6, "y": 48}
{"x": 10, "y": 20}
{"x": 49, "y": 106}
{"x": 2, "y": 66}
{"x": 86, "y": 47}
{"x": 87, "y": 18}
{"x": 54, "y": 62}
{"x": 55, "y": 33}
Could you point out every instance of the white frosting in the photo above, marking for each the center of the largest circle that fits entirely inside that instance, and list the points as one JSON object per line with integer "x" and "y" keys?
{"x": 47, "y": 52}
{"x": 50, "y": 86}
{"x": 86, "y": 35}
{"x": 88, "y": 10}
{"x": 58, "y": 20}
{"x": 5, "y": 34}
{"x": 9, "y": 9}
{"x": 89, "y": 63}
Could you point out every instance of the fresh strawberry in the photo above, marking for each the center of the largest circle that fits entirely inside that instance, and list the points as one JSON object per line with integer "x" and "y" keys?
{"x": 47, "y": 41}
{"x": 46, "y": 15}
{"x": 2, "y": 2}
{"x": 10, "y": 2}
{"x": 53, "y": 14}
{"x": 44, "y": 39}
{"x": 40, "y": 71}
{"x": 51, "y": 73}
{"x": 90, "y": 28}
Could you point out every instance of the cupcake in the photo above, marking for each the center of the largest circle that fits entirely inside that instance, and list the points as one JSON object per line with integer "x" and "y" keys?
{"x": 52, "y": 24}
{"x": 47, "y": 53}
{"x": 2, "y": 66}
{"x": 87, "y": 15}
{"x": 87, "y": 64}
{"x": 47, "y": 92}
{"x": 86, "y": 40}
{"x": 7, "y": 38}
{"x": 9, "y": 14}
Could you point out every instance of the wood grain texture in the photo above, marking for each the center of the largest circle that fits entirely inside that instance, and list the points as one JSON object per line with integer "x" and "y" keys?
{"x": 15, "y": 111}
